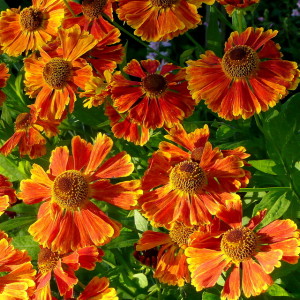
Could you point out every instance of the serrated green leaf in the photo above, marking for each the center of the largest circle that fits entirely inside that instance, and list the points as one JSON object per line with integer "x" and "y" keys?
{"x": 16, "y": 223}
{"x": 267, "y": 166}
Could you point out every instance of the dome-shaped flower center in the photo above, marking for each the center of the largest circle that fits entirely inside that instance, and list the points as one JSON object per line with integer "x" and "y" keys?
{"x": 93, "y": 8}
{"x": 23, "y": 121}
{"x": 188, "y": 177}
{"x": 70, "y": 190}
{"x": 155, "y": 84}
{"x": 239, "y": 243}
{"x": 47, "y": 260}
{"x": 181, "y": 233}
{"x": 57, "y": 72}
{"x": 240, "y": 61}
{"x": 164, "y": 3}
{"x": 31, "y": 18}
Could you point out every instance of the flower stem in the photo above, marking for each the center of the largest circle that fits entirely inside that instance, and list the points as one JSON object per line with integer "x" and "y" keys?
{"x": 267, "y": 189}
{"x": 69, "y": 8}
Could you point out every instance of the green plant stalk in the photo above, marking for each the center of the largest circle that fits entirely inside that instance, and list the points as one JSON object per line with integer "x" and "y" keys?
{"x": 69, "y": 8}
{"x": 265, "y": 189}
{"x": 223, "y": 18}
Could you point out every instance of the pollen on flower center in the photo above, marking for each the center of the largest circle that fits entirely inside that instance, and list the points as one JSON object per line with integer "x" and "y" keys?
{"x": 240, "y": 62}
{"x": 47, "y": 260}
{"x": 239, "y": 243}
{"x": 155, "y": 84}
{"x": 181, "y": 233}
{"x": 188, "y": 176}
{"x": 70, "y": 190}
{"x": 93, "y": 8}
{"x": 22, "y": 121}
{"x": 56, "y": 72}
{"x": 31, "y": 19}
{"x": 164, "y": 3}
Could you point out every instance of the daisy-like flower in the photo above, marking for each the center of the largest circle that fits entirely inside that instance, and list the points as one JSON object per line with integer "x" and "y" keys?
{"x": 249, "y": 255}
{"x": 160, "y": 20}
{"x": 124, "y": 127}
{"x": 17, "y": 279}
{"x": 90, "y": 17}
{"x": 7, "y": 194}
{"x": 154, "y": 98}
{"x": 54, "y": 77}
{"x": 248, "y": 79}
{"x": 231, "y": 5}
{"x": 4, "y": 75}
{"x": 28, "y": 137}
{"x": 31, "y": 28}
{"x": 68, "y": 220}
{"x": 98, "y": 288}
{"x": 190, "y": 186}
{"x": 63, "y": 268}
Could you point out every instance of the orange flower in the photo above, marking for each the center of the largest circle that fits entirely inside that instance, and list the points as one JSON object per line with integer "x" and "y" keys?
{"x": 31, "y": 28}
{"x": 54, "y": 77}
{"x": 92, "y": 16}
{"x": 18, "y": 281}
{"x": 4, "y": 75}
{"x": 98, "y": 288}
{"x": 27, "y": 134}
{"x": 63, "y": 268}
{"x": 170, "y": 264}
{"x": 7, "y": 194}
{"x": 250, "y": 78}
{"x": 250, "y": 256}
{"x": 160, "y": 20}
{"x": 68, "y": 219}
{"x": 159, "y": 98}
{"x": 231, "y": 5}
{"x": 189, "y": 187}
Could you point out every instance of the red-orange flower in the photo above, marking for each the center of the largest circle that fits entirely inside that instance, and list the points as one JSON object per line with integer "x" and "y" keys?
{"x": 17, "y": 281}
{"x": 252, "y": 255}
{"x": 231, "y": 5}
{"x": 63, "y": 268}
{"x": 191, "y": 186}
{"x": 31, "y": 28}
{"x": 157, "y": 98}
{"x": 98, "y": 288}
{"x": 250, "y": 78}
{"x": 7, "y": 194}
{"x": 68, "y": 220}
{"x": 4, "y": 75}
{"x": 55, "y": 76}
{"x": 160, "y": 20}
{"x": 92, "y": 19}
{"x": 28, "y": 137}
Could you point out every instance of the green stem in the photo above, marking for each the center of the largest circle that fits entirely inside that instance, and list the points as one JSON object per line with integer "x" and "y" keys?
{"x": 267, "y": 189}
{"x": 223, "y": 18}
{"x": 194, "y": 42}
{"x": 69, "y": 8}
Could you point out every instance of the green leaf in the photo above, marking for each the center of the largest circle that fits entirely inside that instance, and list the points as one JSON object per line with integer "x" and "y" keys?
{"x": 126, "y": 239}
{"x": 140, "y": 222}
{"x": 238, "y": 20}
{"x": 3, "y": 5}
{"x": 277, "y": 290}
{"x": 209, "y": 296}
{"x": 185, "y": 55}
{"x": 17, "y": 223}
{"x": 26, "y": 242}
{"x": 142, "y": 279}
{"x": 224, "y": 132}
{"x": 267, "y": 166}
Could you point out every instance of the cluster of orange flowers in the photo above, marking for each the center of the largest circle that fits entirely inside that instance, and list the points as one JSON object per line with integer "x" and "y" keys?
{"x": 72, "y": 50}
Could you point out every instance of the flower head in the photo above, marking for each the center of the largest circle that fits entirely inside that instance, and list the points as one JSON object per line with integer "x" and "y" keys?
{"x": 231, "y": 5}
{"x": 30, "y": 28}
{"x": 7, "y": 194}
{"x": 190, "y": 186}
{"x": 68, "y": 220}
{"x": 4, "y": 75}
{"x": 250, "y": 78}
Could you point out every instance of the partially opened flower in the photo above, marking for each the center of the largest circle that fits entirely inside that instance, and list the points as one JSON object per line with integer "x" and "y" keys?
{"x": 62, "y": 268}
{"x": 231, "y": 5}
{"x": 28, "y": 134}
{"x": 98, "y": 289}
{"x": 30, "y": 28}
{"x": 160, "y": 20}
{"x": 154, "y": 98}
{"x": 248, "y": 255}
{"x": 55, "y": 76}
{"x": 90, "y": 16}
{"x": 190, "y": 186}
{"x": 68, "y": 220}
{"x": 17, "y": 273}
{"x": 248, "y": 79}
{"x": 4, "y": 75}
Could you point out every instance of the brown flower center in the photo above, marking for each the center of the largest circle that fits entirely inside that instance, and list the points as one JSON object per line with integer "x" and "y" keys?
{"x": 23, "y": 121}
{"x": 239, "y": 243}
{"x": 93, "y": 8}
{"x": 31, "y": 18}
{"x": 240, "y": 62}
{"x": 47, "y": 260}
{"x": 164, "y": 3}
{"x": 180, "y": 234}
{"x": 155, "y": 84}
{"x": 70, "y": 190}
{"x": 57, "y": 72}
{"x": 188, "y": 177}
